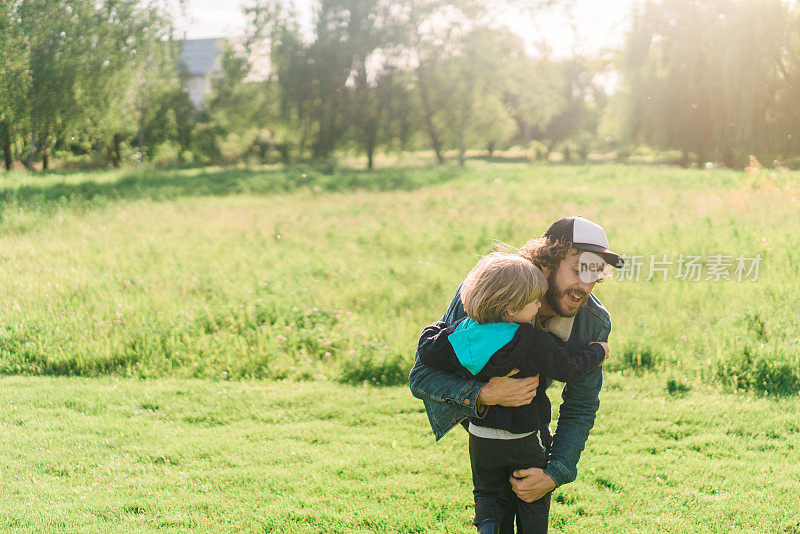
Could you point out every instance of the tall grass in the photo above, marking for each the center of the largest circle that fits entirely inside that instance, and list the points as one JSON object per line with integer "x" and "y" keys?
{"x": 230, "y": 273}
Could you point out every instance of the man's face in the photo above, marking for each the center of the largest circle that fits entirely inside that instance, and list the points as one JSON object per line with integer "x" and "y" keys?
{"x": 567, "y": 293}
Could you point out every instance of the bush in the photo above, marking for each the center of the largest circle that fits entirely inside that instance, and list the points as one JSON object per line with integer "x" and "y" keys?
{"x": 766, "y": 371}
{"x": 677, "y": 388}
{"x": 373, "y": 368}
{"x": 636, "y": 356}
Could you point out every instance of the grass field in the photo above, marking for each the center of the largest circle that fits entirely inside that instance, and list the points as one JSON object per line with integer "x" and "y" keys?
{"x": 100, "y": 455}
{"x": 284, "y": 291}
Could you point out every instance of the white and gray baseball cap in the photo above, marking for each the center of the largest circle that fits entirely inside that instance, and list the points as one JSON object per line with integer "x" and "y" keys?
{"x": 584, "y": 235}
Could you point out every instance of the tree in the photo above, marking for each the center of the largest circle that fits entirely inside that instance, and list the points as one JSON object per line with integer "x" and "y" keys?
{"x": 246, "y": 125}
{"x": 700, "y": 76}
{"x": 83, "y": 60}
{"x": 53, "y": 30}
{"x": 274, "y": 28}
{"x": 125, "y": 40}
{"x": 14, "y": 79}
{"x": 580, "y": 101}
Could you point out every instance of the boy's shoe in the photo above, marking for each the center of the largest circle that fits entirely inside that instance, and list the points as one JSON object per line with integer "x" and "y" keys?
{"x": 489, "y": 526}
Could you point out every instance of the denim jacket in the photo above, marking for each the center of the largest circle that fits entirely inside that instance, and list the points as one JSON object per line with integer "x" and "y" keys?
{"x": 450, "y": 399}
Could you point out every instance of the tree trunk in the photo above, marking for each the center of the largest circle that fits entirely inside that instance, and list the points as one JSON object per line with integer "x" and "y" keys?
{"x": 370, "y": 152}
{"x": 436, "y": 141}
{"x": 462, "y": 143}
{"x": 728, "y": 158}
{"x": 5, "y": 135}
{"x": 45, "y": 158}
{"x": 140, "y": 136}
{"x": 117, "y": 153}
{"x": 326, "y": 136}
{"x": 31, "y": 152}
{"x": 701, "y": 158}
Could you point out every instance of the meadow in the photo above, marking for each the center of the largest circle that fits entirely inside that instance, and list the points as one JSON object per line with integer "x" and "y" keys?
{"x": 227, "y": 349}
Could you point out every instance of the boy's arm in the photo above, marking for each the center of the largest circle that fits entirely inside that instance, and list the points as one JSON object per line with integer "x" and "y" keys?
{"x": 434, "y": 350}
{"x": 444, "y": 387}
{"x": 561, "y": 365}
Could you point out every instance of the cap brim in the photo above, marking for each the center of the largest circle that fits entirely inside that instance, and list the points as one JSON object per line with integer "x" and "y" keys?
{"x": 613, "y": 259}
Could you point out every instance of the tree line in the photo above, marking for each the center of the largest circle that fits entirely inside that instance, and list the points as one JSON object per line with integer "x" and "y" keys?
{"x": 101, "y": 83}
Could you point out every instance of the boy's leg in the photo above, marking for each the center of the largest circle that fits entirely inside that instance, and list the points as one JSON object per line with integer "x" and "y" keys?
{"x": 489, "y": 480}
{"x": 532, "y": 517}
{"x": 507, "y": 524}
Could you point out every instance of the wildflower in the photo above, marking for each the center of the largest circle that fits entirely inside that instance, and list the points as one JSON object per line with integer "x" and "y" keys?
{"x": 351, "y": 352}
{"x": 327, "y": 354}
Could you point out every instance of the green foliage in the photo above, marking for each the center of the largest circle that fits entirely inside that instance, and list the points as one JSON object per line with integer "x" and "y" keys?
{"x": 676, "y": 387}
{"x": 82, "y": 62}
{"x": 638, "y": 356}
{"x": 711, "y": 78}
{"x": 383, "y": 369}
{"x": 764, "y": 371}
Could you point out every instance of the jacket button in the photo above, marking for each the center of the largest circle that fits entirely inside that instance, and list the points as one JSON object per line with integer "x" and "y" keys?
{"x": 466, "y": 401}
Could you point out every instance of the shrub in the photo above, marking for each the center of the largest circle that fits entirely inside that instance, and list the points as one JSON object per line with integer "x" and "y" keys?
{"x": 637, "y": 356}
{"x": 375, "y": 368}
{"x": 677, "y": 388}
{"x": 766, "y": 371}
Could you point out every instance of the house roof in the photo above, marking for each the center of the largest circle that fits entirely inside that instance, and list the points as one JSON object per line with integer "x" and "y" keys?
{"x": 200, "y": 55}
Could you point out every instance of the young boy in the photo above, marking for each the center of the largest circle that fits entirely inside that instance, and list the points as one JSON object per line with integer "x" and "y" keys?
{"x": 501, "y": 296}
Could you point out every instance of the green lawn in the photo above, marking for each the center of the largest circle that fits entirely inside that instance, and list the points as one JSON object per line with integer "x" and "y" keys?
{"x": 188, "y": 349}
{"x": 108, "y": 454}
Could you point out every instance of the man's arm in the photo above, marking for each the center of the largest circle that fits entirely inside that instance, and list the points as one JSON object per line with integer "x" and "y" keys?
{"x": 575, "y": 419}
{"x": 442, "y": 387}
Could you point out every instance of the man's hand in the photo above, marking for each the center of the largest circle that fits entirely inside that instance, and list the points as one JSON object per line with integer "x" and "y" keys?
{"x": 531, "y": 484}
{"x": 507, "y": 391}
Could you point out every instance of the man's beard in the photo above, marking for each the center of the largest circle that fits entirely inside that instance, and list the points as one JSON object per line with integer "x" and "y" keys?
{"x": 555, "y": 296}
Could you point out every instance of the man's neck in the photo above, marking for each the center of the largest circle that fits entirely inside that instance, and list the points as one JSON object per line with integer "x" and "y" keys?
{"x": 545, "y": 313}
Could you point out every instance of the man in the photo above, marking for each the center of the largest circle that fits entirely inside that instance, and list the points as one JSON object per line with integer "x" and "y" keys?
{"x": 568, "y": 254}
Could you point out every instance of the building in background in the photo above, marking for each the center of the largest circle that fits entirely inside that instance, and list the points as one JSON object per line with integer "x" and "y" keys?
{"x": 202, "y": 60}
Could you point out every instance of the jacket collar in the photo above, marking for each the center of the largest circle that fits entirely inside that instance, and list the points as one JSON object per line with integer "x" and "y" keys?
{"x": 561, "y": 327}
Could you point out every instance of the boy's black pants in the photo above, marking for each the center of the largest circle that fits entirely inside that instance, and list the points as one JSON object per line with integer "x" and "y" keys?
{"x": 493, "y": 461}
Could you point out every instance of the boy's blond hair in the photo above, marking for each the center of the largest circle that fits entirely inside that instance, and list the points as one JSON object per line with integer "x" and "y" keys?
{"x": 498, "y": 282}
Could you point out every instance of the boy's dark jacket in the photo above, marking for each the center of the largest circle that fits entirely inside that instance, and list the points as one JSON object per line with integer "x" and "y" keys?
{"x": 532, "y": 351}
